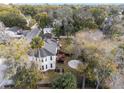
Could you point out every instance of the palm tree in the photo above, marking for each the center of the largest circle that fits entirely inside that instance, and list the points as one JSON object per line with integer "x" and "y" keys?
{"x": 37, "y": 43}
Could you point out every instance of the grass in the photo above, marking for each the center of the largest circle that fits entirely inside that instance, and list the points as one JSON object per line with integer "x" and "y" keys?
{"x": 51, "y": 74}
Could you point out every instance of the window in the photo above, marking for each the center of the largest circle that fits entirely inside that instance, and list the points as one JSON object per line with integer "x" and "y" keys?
{"x": 42, "y": 67}
{"x": 46, "y": 59}
{"x": 46, "y": 66}
{"x": 51, "y": 58}
{"x": 51, "y": 65}
{"x": 42, "y": 60}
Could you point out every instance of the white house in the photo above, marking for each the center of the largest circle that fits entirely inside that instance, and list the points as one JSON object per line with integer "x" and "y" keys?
{"x": 46, "y": 61}
{"x": 47, "y": 30}
{"x": 46, "y": 56}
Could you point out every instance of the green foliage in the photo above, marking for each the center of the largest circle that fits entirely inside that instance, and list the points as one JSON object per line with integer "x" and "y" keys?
{"x": 96, "y": 66}
{"x": 99, "y": 15}
{"x": 121, "y": 46}
{"x": 7, "y": 8}
{"x": 57, "y": 31}
{"x": 112, "y": 31}
{"x": 66, "y": 81}
{"x": 12, "y": 19}
{"x": 11, "y": 16}
{"x": 37, "y": 42}
{"x": 27, "y": 78}
{"x": 67, "y": 45}
{"x": 15, "y": 50}
{"x": 114, "y": 11}
{"x": 16, "y": 54}
{"x": 42, "y": 20}
{"x": 89, "y": 23}
{"x": 28, "y": 10}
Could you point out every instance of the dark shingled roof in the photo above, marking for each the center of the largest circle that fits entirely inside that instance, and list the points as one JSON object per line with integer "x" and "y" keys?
{"x": 49, "y": 49}
{"x": 43, "y": 53}
{"x": 34, "y": 32}
{"x": 50, "y": 45}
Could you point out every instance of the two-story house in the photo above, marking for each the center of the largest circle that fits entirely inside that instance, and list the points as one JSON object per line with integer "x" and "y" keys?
{"x": 46, "y": 56}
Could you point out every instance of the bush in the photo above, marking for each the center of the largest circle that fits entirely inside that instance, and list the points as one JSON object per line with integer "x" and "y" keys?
{"x": 66, "y": 81}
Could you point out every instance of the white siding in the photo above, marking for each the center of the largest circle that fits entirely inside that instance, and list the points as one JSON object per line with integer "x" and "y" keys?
{"x": 46, "y": 61}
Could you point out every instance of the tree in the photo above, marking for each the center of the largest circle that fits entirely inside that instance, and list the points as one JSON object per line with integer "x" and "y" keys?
{"x": 86, "y": 58}
{"x": 37, "y": 43}
{"x": 28, "y": 10}
{"x": 11, "y": 19}
{"x": 114, "y": 11}
{"x": 89, "y": 23}
{"x": 42, "y": 20}
{"x": 57, "y": 31}
{"x": 66, "y": 81}
{"x": 15, "y": 53}
{"x": 26, "y": 78}
{"x": 67, "y": 26}
{"x": 96, "y": 66}
{"x": 99, "y": 15}
{"x": 112, "y": 31}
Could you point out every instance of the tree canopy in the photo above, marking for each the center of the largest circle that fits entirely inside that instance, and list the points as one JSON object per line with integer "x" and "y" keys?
{"x": 42, "y": 20}
{"x": 26, "y": 78}
{"x": 66, "y": 81}
{"x": 12, "y": 17}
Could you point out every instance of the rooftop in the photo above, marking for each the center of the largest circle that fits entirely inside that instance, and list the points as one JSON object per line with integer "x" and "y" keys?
{"x": 34, "y": 32}
{"x": 49, "y": 49}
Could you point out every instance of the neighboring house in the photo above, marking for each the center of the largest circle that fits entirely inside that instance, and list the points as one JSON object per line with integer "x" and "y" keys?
{"x": 108, "y": 21}
{"x": 47, "y": 30}
{"x": 14, "y": 32}
{"x": 57, "y": 22}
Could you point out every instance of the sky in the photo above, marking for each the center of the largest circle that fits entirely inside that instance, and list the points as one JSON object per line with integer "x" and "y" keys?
{"x": 61, "y": 1}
